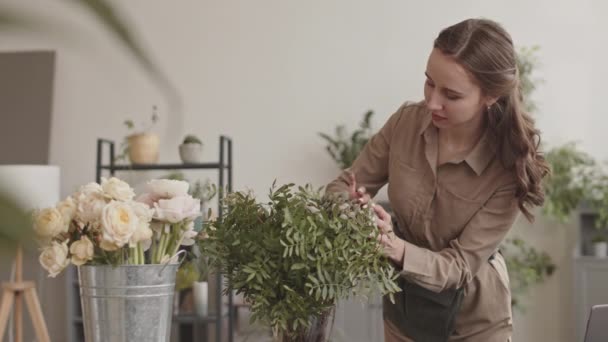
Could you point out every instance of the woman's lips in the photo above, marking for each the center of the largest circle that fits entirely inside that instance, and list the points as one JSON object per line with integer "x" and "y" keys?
{"x": 438, "y": 117}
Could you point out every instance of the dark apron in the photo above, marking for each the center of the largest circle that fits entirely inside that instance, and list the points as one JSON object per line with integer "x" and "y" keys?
{"x": 421, "y": 314}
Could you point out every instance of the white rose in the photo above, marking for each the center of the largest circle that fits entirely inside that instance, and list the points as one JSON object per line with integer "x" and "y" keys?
{"x": 141, "y": 233}
{"x": 87, "y": 189}
{"x": 54, "y": 258}
{"x": 89, "y": 204}
{"x": 118, "y": 222}
{"x": 107, "y": 246}
{"x": 49, "y": 223}
{"x": 144, "y": 214}
{"x": 177, "y": 209}
{"x": 82, "y": 251}
{"x": 142, "y": 211}
{"x": 67, "y": 208}
{"x": 189, "y": 235}
{"x": 167, "y": 188}
{"x": 117, "y": 189}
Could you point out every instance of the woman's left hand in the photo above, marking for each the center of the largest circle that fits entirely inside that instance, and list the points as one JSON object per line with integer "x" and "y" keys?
{"x": 393, "y": 246}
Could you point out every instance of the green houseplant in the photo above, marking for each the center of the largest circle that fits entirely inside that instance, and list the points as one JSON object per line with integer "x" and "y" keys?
{"x": 141, "y": 146}
{"x": 294, "y": 256}
{"x": 344, "y": 148}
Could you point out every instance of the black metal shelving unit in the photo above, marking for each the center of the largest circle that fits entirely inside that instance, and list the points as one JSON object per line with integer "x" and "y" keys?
{"x": 224, "y": 167}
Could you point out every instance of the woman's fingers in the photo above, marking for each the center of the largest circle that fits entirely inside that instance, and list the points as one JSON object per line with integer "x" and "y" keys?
{"x": 385, "y": 227}
{"x": 364, "y": 199}
{"x": 382, "y": 214}
{"x": 352, "y": 185}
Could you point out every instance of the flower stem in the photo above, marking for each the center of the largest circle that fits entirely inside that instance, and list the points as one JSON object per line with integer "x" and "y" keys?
{"x": 140, "y": 252}
{"x": 132, "y": 256}
{"x": 164, "y": 240}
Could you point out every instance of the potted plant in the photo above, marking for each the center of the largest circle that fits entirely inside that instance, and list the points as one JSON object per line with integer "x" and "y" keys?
{"x": 191, "y": 150}
{"x": 200, "y": 287}
{"x": 600, "y": 246}
{"x": 126, "y": 251}
{"x": 191, "y": 284}
{"x": 344, "y": 148}
{"x": 294, "y": 256}
{"x": 140, "y": 146}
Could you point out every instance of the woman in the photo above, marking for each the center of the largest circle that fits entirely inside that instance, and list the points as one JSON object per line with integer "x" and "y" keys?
{"x": 460, "y": 166}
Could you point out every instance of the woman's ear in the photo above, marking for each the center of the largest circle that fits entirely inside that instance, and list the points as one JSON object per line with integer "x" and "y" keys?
{"x": 490, "y": 101}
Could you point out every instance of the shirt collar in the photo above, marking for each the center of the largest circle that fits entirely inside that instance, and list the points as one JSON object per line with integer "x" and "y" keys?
{"x": 480, "y": 156}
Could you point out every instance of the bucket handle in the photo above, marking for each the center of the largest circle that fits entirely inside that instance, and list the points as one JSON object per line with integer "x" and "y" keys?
{"x": 171, "y": 258}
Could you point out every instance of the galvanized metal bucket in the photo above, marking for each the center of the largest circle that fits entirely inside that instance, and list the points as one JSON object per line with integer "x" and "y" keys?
{"x": 127, "y": 303}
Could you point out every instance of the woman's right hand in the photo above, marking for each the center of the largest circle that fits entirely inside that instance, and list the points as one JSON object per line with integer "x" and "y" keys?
{"x": 357, "y": 193}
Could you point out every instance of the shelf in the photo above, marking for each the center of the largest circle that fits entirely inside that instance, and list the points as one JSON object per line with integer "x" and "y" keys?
{"x": 123, "y": 167}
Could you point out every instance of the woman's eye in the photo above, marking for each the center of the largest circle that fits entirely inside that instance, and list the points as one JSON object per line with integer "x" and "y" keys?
{"x": 429, "y": 83}
{"x": 452, "y": 97}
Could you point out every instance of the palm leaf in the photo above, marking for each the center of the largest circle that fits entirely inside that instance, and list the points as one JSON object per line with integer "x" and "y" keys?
{"x": 15, "y": 225}
{"x": 110, "y": 17}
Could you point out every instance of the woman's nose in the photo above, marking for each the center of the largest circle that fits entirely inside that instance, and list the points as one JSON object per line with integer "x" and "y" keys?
{"x": 432, "y": 102}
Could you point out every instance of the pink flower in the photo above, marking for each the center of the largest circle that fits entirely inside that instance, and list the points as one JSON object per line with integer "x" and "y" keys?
{"x": 148, "y": 198}
{"x": 177, "y": 209}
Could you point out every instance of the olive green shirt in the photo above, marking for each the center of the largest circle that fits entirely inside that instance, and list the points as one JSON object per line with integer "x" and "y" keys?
{"x": 453, "y": 217}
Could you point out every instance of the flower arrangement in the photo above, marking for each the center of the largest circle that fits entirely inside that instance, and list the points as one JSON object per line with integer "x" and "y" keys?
{"x": 105, "y": 224}
{"x": 294, "y": 256}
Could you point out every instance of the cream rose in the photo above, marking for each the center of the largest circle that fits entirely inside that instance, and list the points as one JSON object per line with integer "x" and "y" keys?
{"x": 90, "y": 202}
{"x": 118, "y": 223}
{"x": 67, "y": 208}
{"x": 189, "y": 235}
{"x": 167, "y": 188}
{"x": 107, "y": 246}
{"x": 117, "y": 189}
{"x": 177, "y": 209}
{"x": 141, "y": 233}
{"x": 82, "y": 251}
{"x": 142, "y": 211}
{"x": 54, "y": 258}
{"x": 49, "y": 223}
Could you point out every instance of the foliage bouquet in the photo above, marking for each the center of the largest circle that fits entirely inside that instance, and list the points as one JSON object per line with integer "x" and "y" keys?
{"x": 295, "y": 256}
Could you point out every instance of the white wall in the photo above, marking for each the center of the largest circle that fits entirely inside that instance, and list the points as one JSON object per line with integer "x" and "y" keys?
{"x": 273, "y": 73}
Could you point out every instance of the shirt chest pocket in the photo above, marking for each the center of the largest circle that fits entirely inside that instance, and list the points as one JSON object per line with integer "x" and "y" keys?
{"x": 452, "y": 212}
{"x": 405, "y": 189}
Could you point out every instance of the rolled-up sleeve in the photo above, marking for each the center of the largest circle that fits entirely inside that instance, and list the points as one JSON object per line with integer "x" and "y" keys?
{"x": 457, "y": 264}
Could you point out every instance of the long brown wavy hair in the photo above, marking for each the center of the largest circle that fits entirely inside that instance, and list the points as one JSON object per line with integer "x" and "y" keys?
{"x": 486, "y": 51}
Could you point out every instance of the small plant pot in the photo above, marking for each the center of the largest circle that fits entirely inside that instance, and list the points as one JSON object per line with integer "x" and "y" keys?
{"x": 191, "y": 153}
{"x": 143, "y": 148}
{"x": 600, "y": 249}
{"x": 200, "y": 292}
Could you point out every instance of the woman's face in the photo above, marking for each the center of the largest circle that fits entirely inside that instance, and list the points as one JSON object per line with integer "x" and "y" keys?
{"x": 450, "y": 93}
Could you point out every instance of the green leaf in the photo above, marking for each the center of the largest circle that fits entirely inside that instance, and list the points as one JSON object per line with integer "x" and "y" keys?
{"x": 314, "y": 280}
{"x": 327, "y": 243}
{"x": 295, "y": 267}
